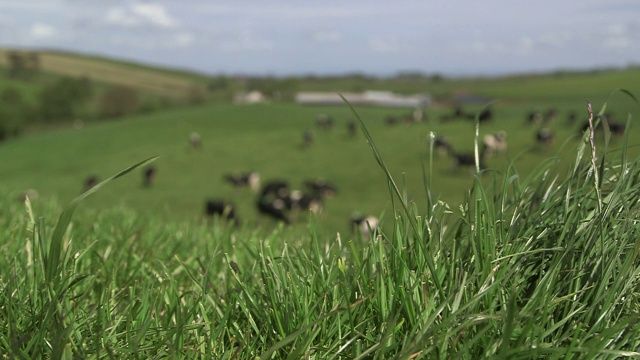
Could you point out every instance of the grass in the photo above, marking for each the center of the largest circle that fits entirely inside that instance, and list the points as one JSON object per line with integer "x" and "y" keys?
{"x": 173, "y": 84}
{"x": 268, "y": 138}
{"x": 538, "y": 265}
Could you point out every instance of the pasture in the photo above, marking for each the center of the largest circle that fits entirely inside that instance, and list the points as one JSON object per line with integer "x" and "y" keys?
{"x": 515, "y": 263}
{"x": 538, "y": 268}
{"x": 170, "y": 83}
{"x": 268, "y": 138}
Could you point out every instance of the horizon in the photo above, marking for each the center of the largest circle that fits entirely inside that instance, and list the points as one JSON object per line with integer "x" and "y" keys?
{"x": 285, "y": 38}
{"x": 398, "y": 74}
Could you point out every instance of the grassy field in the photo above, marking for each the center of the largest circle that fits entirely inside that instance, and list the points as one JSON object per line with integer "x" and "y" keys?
{"x": 536, "y": 257}
{"x": 268, "y": 138}
{"x": 164, "y": 82}
{"x": 529, "y": 266}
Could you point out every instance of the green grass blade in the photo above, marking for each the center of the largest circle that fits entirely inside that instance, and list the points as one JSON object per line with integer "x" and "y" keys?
{"x": 55, "y": 246}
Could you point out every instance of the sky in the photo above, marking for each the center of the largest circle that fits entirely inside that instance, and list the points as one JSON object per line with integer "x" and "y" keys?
{"x": 333, "y": 37}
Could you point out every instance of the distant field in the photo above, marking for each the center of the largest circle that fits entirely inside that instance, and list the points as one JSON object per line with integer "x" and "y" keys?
{"x": 160, "y": 81}
{"x": 268, "y": 138}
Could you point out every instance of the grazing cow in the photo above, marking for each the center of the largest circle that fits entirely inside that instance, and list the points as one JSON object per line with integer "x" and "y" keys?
{"x": 617, "y": 128}
{"x": 352, "y": 128}
{"x": 467, "y": 159}
{"x": 32, "y": 194}
{"x": 550, "y": 116}
{"x": 324, "y": 122}
{"x": 220, "y": 208}
{"x": 495, "y": 143}
{"x": 365, "y": 225}
{"x": 458, "y": 112}
{"x": 418, "y": 115}
{"x": 148, "y": 176}
{"x": 572, "y": 117}
{"x": 273, "y": 208}
{"x": 534, "y": 117}
{"x": 195, "y": 141}
{"x": 391, "y": 120}
{"x": 442, "y": 145}
{"x": 320, "y": 187}
{"x": 485, "y": 115}
{"x": 279, "y": 202}
{"x": 297, "y": 201}
{"x": 275, "y": 188}
{"x": 307, "y": 138}
{"x": 250, "y": 179}
{"x": 90, "y": 182}
{"x": 311, "y": 199}
{"x": 545, "y": 137}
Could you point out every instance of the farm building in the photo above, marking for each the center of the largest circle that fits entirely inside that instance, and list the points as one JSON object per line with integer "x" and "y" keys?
{"x": 372, "y": 98}
{"x": 251, "y": 97}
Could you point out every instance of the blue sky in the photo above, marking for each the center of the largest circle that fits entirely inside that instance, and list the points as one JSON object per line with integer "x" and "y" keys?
{"x": 295, "y": 37}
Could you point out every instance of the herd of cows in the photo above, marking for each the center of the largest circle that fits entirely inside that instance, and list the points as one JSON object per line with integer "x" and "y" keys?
{"x": 494, "y": 143}
{"x": 279, "y": 201}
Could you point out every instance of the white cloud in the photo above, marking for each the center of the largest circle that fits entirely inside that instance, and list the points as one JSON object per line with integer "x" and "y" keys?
{"x": 141, "y": 14}
{"x": 154, "y": 14}
{"x": 42, "y": 31}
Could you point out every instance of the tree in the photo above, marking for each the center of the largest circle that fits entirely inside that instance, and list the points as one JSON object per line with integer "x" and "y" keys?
{"x": 23, "y": 65}
{"x": 13, "y": 113}
{"x": 62, "y": 100}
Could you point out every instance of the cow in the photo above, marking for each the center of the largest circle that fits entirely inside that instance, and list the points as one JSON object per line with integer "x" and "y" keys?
{"x": 545, "y": 137}
{"x": 195, "y": 141}
{"x": 31, "y": 194}
{"x": 534, "y": 117}
{"x": 324, "y": 122}
{"x": 89, "y": 182}
{"x": 320, "y": 187}
{"x": 442, "y": 145}
{"x": 307, "y": 138}
{"x": 274, "y": 208}
{"x": 550, "y": 116}
{"x": 495, "y": 143}
{"x": 221, "y": 208}
{"x": 352, "y": 128}
{"x": 148, "y": 176}
{"x": 250, "y": 179}
{"x": 365, "y": 225}
{"x": 391, "y": 120}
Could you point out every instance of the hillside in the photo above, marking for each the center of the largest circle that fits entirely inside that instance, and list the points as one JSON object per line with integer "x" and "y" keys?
{"x": 109, "y": 71}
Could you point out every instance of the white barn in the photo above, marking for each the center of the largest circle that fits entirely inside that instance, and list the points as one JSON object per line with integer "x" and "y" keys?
{"x": 372, "y": 98}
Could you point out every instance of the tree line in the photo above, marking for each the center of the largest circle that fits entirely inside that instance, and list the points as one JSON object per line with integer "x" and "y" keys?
{"x": 57, "y": 100}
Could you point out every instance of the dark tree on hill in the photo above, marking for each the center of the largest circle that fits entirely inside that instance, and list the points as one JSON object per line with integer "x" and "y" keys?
{"x": 14, "y": 113}
{"x": 274, "y": 88}
{"x": 63, "y": 99}
{"x": 22, "y": 65}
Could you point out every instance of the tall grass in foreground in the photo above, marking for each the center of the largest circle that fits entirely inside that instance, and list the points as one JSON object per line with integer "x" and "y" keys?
{"x": 544, "y": 266}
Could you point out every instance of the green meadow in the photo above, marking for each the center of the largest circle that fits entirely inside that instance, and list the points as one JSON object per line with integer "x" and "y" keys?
{"x": 268, "y": 138}
{"x": 535, "y": 256}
